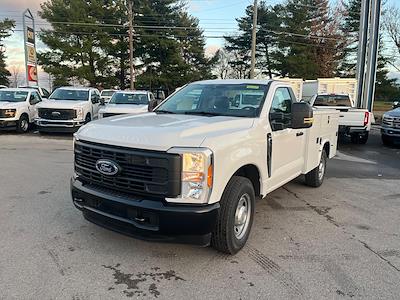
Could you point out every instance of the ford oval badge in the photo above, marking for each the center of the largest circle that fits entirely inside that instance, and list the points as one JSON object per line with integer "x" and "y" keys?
{"x": 107, "y": 167}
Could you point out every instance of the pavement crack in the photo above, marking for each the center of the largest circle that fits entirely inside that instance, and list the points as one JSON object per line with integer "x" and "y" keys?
{"x": 56, "y": 260}
{"x": 322, "y": 211}
{"x": 379, "y": 255}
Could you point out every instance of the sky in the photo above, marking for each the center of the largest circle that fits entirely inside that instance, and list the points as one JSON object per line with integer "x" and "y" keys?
{"x": 217, "y": 18}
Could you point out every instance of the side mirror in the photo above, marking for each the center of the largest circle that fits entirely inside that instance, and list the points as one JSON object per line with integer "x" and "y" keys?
{"x": 396, "y": 104}
{"x": 302, "y": 115}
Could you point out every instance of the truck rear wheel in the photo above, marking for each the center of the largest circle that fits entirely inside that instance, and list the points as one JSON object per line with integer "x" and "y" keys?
{"x": 359, "y": 138}
{"x": 316, "y": 176}
{"x": 235, "y": 217}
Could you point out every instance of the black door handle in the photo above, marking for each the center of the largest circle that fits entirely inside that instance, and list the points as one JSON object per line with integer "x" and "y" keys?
{"x": 300, "y": 133}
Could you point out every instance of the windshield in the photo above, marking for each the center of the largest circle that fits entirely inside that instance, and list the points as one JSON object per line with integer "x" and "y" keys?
{"x": 236, "y": 100}
{"x": 73, "y": 95}
{"x": 13, "y": 96}
{"x": 332, "y": 100}
{"x": 107, "y": 93}
{"x": 129, "y": 98}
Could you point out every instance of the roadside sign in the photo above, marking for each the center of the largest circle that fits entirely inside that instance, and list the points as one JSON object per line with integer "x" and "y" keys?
{"x": 32, "y": 73}
{"x": 31, "y": 54}
{"x": 30, "y": 35}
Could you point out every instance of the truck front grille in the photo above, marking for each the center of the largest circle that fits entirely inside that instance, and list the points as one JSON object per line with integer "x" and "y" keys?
{"x": 143, "y": 172}
{"x": 393, "y": 122}
{"x": 56, "y": 114}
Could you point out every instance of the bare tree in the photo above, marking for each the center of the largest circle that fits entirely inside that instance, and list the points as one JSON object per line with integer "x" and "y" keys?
{"x": 16, "y": 76}
{"x": 392, "y": 26}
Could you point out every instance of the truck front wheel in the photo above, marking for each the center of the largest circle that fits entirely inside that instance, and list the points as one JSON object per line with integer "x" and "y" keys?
{"x": 23, "y": 124}
{"x": 235, "y": 217}
{"x": 316, "y": 176}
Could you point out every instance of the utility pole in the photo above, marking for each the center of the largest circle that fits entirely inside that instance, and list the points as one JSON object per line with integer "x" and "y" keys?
{"x": 253, "y": 41}
{"x": 130, "y": 17}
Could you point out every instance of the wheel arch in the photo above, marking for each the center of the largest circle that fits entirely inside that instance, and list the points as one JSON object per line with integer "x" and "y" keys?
{"x": 251, "y": 172}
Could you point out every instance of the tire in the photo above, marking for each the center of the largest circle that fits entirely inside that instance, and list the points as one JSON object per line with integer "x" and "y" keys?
{"x": 386, "y": 140}
{"x": 315, "y": 178}
{"x": 23, "y": 124}
{"x": 228, "y": 235}
{"x": 88, "y": 118}
{"x": 360, "y": 138}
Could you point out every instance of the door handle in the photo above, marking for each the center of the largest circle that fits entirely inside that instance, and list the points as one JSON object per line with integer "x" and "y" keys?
{"x": 300, "y": 133}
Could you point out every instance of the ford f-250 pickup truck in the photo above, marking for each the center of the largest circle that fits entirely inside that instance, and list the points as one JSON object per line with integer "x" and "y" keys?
{"x": 353, "y": 122}
{"x": 192, "y": 169}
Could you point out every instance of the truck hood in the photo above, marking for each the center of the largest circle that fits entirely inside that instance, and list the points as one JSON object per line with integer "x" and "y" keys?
{"x": 159, "y": 132}
{"x": 61, "y": 104}
{"x": 124, "y": 109}
{"x": 11, "y": 105}
{"x": 393, "y": 113}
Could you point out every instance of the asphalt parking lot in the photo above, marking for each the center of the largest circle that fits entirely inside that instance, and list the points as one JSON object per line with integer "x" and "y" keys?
{"x": 337, "y": 242}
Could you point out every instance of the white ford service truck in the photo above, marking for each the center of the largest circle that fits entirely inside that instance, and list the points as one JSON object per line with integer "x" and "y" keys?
{"x": 18, "y": 108}
{"x": 67, "y": 109}
{"x": 354, "y": 122}
{"x": 191, "y": 171}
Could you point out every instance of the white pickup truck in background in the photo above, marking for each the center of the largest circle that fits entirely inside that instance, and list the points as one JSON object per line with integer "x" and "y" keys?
{"x": 353, "y": 122}
{"x": 67, "y": 109}
{"x": 126, "y": 102}
{"x": 18, "y": 108}
{"x": 192, "y": 170}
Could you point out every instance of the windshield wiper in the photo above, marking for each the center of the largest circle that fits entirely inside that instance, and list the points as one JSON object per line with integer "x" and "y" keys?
{"x": 203, "y": 113}
{"x": 160, "y": 111}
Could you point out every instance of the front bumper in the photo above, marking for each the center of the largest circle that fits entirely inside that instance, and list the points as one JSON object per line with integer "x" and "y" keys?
{"x": 8, "y": 124}
{"x": 145, "y": 218}
{"x": 390, "y": 132}
{"x": 58, "y": 125}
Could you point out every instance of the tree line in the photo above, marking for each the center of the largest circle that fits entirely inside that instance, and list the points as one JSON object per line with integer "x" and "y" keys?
{"x": 308, "y": 39}
{"x": 87, "y": 43}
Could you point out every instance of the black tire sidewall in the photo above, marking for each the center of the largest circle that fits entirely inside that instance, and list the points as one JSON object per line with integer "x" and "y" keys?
{"x": 88, "y": 118}
{"x": 233, "y": 243}
{"x": 19, "y": 124}
{"x": 324, "y": 158}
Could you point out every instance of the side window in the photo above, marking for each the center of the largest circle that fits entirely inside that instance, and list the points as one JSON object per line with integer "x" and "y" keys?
{"x": 46, "y": 93}
{"x": 35, "y": 98}
{"x": 95, "y": 96}
{"x": 280, "y": 115}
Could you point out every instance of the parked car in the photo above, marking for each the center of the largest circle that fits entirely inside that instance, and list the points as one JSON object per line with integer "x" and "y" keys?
{"x": 192, "y": 169}
{"x": 3, "y": 86}
{"x": 42, "y": 91}
{"x": 67, "y": 109}
{"x": 390, "y": 129}
{"x": 353, "y": 122}
{"x": 127, "y": 102}
{"x": 18, "y": 108}
{"x": 396, "y": 104}
{"x": 106, "y": 95}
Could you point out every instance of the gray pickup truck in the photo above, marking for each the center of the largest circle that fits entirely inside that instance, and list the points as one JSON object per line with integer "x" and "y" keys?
{"x": 390, "y": 129}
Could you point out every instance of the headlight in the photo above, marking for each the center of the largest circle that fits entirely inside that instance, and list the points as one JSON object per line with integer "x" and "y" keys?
{"x": 196, "y": 175}
{"x": 79, "y": 113}
{"x": 10, "y": 113}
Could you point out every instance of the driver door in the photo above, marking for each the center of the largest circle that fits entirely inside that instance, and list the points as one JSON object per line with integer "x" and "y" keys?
{"x": 285, "y": 144}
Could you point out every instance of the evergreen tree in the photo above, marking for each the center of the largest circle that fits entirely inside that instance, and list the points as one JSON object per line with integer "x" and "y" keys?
{"x": 76, "y": 50}
{"x": 6, "y": 27}
{"x": 267, "y": 24}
